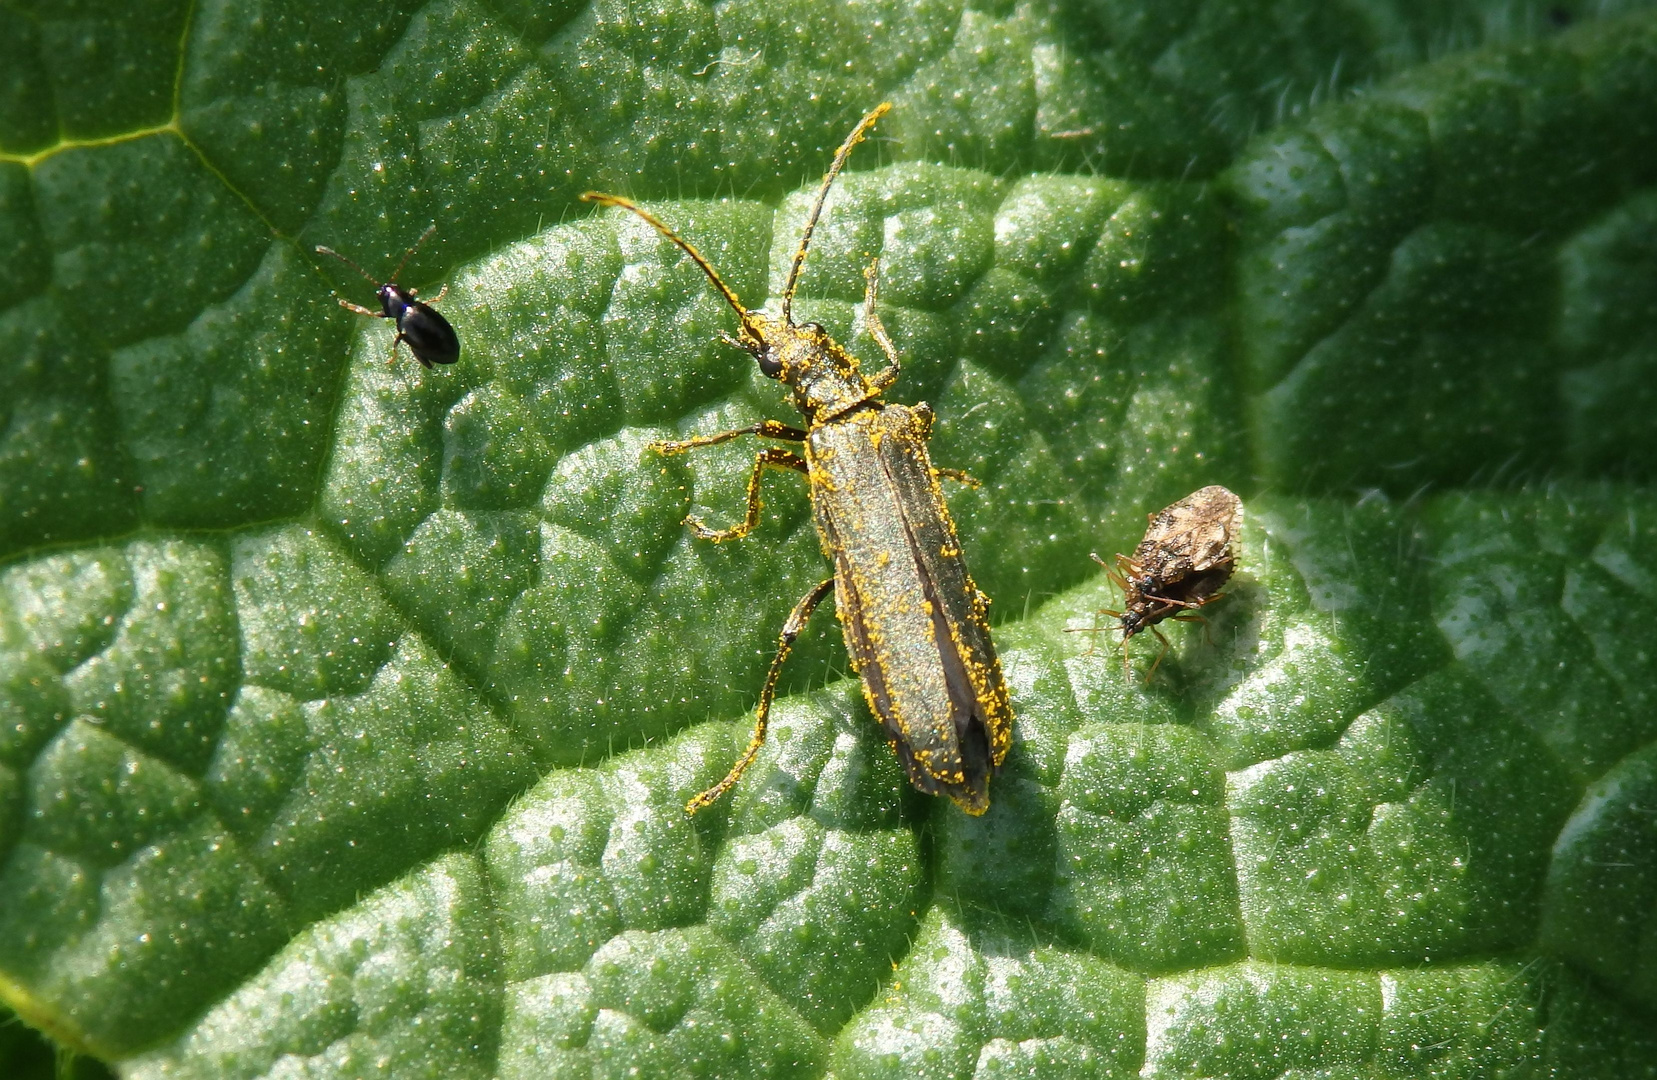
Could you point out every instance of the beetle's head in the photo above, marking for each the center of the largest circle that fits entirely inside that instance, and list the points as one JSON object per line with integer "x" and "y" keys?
{"x": 394, "y": 299}
{"x": 822, "y": 374}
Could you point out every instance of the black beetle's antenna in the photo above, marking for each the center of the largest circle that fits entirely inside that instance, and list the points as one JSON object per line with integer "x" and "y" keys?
{"x": 839, "y": 163}
{"x": 409, "y": 254}
{"x": 320, "y": 250}
{"x": 656, "y": 223}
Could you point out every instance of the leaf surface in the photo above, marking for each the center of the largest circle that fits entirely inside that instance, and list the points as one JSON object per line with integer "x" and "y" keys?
{"x": 348, "y": 709}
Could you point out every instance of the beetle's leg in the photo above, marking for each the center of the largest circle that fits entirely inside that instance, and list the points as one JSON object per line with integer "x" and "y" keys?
{"x": 398, "y": 340}
{"x": 877, "y": 329}
{"x": 441, "y": 293}
{"x": 765, "y": 429}
{"x": 360, "y": 310}
{"x": 959, "y": 477}
{"x": 762, "y": 715}
{"x": 774, "y": 457}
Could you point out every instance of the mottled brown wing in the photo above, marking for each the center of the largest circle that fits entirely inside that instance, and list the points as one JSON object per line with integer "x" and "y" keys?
{"x": 1189, "y": 536}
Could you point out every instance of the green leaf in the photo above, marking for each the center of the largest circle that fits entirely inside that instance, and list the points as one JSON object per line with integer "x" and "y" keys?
{"x": 348, "y": 709}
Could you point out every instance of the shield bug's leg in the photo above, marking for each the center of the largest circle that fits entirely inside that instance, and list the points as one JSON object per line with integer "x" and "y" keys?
{"x": 1114, "y": 575}
{"x": 959, "y": 477}
{"x": 773, "y": 458}
{"x": 1115, "y": 579}
{"x": 877, "y": 330}
{"x": 1185, "y": 603}
{"x": 1207, "y": 635}
{"x": 1166, "y": 645}
{"x": 765, "y": 429}
{"x": 840, "y": 156}
{"x": 1096, "y": 628}
{"x": 762, "y": 715}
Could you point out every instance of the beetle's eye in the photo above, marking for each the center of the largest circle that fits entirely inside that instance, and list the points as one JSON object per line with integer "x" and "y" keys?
{"x": 769, "y": 365}
{"x": 812, "y": 328}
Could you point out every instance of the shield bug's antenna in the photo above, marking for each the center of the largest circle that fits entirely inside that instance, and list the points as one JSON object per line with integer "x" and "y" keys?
{"x": 857, "y": 136}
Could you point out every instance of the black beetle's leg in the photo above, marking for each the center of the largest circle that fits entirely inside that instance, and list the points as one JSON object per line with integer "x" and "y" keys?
{"x": 427, "y": 364}
{"x": 441, "y": 293}
{"x": 765, "y": 429}
{"x": 959, "y": 476}
{"x": 774, "y": 457}
{"x": 360, "y": 310}
{"x": 877, "y": 330}
{"x": 762, "y": 715}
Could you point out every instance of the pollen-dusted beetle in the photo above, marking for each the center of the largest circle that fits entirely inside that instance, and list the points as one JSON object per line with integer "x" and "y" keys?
{"x": 430, "y": 337}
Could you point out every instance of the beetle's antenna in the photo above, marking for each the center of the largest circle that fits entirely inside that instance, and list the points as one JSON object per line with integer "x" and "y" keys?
{"x": 320, "y": 250}
{"x": 840, "y": 157}
{"x": 409, "y": 254}
{"x": 684, "y": 245}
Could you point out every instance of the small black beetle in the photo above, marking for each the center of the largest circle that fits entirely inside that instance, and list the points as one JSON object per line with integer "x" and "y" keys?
{"x": 430, "y": 337}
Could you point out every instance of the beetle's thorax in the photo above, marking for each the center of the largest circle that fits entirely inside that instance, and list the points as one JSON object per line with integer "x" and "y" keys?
{"x": 825, "y": 378}
{"x": 394, "y": 298}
